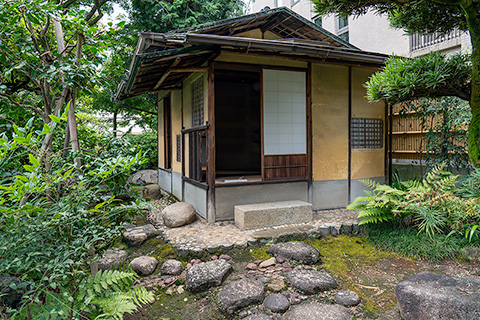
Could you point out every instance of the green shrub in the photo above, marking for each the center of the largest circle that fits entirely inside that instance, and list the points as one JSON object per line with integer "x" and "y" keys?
{"x": 51, "y": 221}
{"x": 147, "y": 144}
{"x": 431, "y": 205}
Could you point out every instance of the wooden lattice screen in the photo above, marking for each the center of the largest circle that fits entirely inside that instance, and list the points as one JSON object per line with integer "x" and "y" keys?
{"x": 197, "y": 102}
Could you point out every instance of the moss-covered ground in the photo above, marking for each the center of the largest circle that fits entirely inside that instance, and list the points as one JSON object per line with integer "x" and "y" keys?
{"x": 356, "y": 264}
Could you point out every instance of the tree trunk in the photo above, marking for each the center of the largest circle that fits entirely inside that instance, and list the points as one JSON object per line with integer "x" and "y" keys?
{"x": 115, "y": 113}
{"x": 472, "y": 12}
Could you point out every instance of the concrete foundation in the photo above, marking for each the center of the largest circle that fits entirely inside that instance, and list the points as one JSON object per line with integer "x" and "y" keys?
{"x": 253, "y": 216}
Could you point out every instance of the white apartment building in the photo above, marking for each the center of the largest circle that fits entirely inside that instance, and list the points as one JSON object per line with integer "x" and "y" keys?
{"x": 372, "y": 32}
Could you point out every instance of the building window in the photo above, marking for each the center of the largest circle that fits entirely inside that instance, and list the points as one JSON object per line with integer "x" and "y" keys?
{"x": 197, "y": 103}
{"x": 179, "y": 148}
{"x": 295, "y": 2}
{"x": 342, "y": 22}
{"x": 367, "y": 133}
{"x": 318, "y": 21}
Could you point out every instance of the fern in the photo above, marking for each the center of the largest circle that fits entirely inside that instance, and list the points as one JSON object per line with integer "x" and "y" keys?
{"x": 374, "y": 215}
{"x": 111, "y": 291}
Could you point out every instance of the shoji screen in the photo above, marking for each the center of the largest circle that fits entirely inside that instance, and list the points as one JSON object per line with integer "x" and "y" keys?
{"x": 284, "y": 112}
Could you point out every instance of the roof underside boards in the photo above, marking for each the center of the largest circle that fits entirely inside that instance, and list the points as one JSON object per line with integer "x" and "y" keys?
{"x": 160, "y": 58}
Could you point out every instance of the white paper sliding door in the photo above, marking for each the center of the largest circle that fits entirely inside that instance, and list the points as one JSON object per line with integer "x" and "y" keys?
{"x": 284, "y": 123}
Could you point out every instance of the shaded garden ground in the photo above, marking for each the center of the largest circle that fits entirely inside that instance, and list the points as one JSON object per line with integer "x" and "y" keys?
{"x": 354, "y": 263}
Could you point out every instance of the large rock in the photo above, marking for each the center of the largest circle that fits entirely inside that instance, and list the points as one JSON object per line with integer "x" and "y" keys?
{"x": 178, "y": 214}
{"x": 144, "y": 265}
{"x": 112, "y": 258}
{"x": 135, "y": 236}
{"x": 239, "y": 294}
{"x": 311, "y": 281}
{"x": 172, "y": 267}
{"x": 8, "y": 296}
{"x": 437, "y": 296}
{"x": 277, "y": 303}
{"x": 295, "y": 250}
{"x": 144, "y": 177}
{"x": 318, "y": 311}
{"x": 205, "y": 275}
{"x": 152, "y": 192}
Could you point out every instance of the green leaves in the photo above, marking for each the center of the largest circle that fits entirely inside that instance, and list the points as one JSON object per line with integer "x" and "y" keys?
{"x": 435, "y": 75}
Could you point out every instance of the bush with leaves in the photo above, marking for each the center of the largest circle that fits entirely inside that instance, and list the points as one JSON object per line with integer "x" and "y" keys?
{"x": 431, "y": 205}
{"x": 52, "y": 220}
{"x": 147, "y": 143}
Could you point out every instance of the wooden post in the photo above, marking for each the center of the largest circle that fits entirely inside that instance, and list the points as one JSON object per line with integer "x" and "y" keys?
{"x": 211, "y": 144}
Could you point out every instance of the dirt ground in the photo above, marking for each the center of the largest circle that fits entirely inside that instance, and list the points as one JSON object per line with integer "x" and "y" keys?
{"x": 355, "y": 264}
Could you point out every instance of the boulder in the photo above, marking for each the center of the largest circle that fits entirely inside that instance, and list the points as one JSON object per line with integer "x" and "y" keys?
{"x": 144, "y": 265}
{"x": 178, "y": 214}
{"x": 144, "y": 177}
{"x": 8, "y": 296}
{"x": 135, "y": 236}
{"x": 295, "y": 250}
{"x": 239, "y": 294}
{"x": 205, "y": 275}
{"x": 171, "y": 267}
{"x": 318, "y": 311}
{"x": 112, "y": 258}
{"x": 311, "y": 281}
{"x": 277, "y": 303}
{"x": 347, "y": 298}
{"x": 152, "y": 192}
{"x": 437, "y": 296}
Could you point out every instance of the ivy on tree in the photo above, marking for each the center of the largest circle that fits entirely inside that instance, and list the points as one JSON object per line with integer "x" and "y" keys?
{"x": 433, "y": 76}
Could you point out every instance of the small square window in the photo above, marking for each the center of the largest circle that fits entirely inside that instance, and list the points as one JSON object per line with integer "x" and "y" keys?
{"x": 318, "y": 21}
{"x": 366, "y": 133}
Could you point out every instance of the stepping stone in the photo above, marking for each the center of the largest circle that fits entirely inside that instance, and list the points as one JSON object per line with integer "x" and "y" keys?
{"x": 258, "y": 316}
{"x": 135, "y": 236}
{"x": 318, "y": 311}
{"x": 112, "y": 258}
{"x": 295, "y": 250}
{"x": 347, "y": 298}
{"x": 144, "y": 265}
{"x": 205, "y": 275}
{"x": 171, "y": 267}
{"x": 239, "y": 294}
{"x": 311, "y": 281}
{"x": 178, "y": 214}
{"x": 435, "y": 296}
{"x": 276, "y": 303}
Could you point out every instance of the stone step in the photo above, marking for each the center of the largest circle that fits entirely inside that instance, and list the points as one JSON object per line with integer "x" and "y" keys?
{"x": 271, "y": 214}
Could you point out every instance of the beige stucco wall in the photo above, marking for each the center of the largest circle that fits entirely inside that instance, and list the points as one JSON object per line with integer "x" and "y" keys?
{"x": 161, "y": 141}
{"x": 262, "y": 60}
{"x": 330, "y": 122}
{"x": 366, "y": 163}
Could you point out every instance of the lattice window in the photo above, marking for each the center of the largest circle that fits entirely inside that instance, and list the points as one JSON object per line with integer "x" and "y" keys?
{"x": 179, "y": 148}
{"x": 197, "y": 103}
{"x": 367, "y": 133}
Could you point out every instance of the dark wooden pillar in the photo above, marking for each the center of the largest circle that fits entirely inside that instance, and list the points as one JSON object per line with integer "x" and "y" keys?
{"x": 211, "y": 144}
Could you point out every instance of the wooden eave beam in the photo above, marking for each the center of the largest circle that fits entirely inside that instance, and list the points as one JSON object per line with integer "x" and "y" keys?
{"x": 179, "y": 70}
{"x": 167, "y": 73}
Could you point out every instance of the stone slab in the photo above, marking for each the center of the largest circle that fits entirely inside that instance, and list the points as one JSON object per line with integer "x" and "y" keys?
{"x": 253, "y": 216}
{"x": 283, "y": 232}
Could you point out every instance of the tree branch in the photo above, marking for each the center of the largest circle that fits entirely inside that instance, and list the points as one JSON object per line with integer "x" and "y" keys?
{"x": 25, "y": 106}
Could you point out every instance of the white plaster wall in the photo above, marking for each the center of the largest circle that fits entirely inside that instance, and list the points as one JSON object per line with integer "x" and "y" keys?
{"x": 369, "y": 32}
